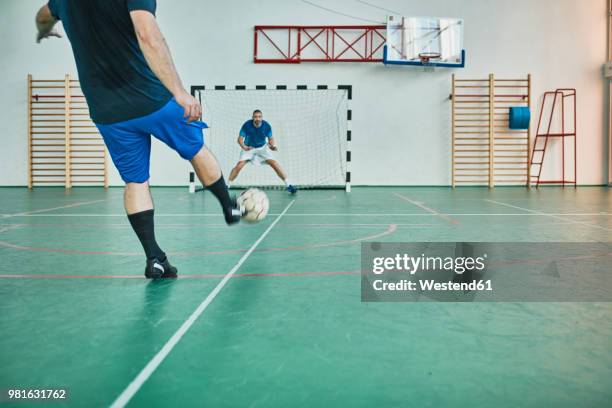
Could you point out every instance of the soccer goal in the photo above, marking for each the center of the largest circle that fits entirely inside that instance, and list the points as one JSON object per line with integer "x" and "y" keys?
{"x": 310, "y": 125}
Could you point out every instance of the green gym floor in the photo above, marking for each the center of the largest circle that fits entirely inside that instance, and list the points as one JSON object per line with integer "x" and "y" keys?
{"x": 288, "y": 329}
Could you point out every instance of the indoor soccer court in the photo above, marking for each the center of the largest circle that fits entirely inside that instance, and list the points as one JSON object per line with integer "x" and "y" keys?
{"x": 288, "y": 328}
{"x": 402, "y": 135}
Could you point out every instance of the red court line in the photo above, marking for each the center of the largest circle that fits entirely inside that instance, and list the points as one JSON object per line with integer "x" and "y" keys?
{"x": 283, "y": 274}
{"x": 390, "y": 230}
{"x": 219, "y": 225}
{"x": 206, "y": 276}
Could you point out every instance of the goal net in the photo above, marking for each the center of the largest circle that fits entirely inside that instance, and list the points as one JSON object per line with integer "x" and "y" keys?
{"x": 309, "y": 128}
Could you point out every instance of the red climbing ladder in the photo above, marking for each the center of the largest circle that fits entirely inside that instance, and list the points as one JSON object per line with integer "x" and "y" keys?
{"x": 563, "y": 103}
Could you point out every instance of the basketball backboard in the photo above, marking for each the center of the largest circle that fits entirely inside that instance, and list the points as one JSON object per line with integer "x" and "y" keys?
{"x": 425, "y": 41}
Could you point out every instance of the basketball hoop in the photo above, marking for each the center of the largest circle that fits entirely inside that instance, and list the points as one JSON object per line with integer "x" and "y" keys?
{"x": 427, "y": 57}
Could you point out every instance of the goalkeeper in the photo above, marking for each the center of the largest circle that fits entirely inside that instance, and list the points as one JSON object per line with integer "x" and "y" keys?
{"x": 257, "y": 143}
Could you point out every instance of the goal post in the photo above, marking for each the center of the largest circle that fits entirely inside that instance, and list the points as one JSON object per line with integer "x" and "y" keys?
{"x": 311, "y": 126}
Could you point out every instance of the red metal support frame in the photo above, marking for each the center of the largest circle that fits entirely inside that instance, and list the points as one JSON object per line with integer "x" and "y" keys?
{"x": 559, "y": 97}
{"x": 358, "y": 43}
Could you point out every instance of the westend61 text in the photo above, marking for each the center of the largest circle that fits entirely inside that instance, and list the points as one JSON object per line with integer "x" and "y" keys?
{"x": 430, "y": 285}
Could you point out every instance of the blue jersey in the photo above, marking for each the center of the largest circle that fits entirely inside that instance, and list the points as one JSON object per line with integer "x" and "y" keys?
{"x": 255, "y": 136}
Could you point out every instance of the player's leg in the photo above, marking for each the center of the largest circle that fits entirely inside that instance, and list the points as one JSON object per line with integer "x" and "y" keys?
{"x": 206, "y": 166}
{"x": 208, "y": 171}
{"x": 137, "y": 198}
{"x": 281, "y": 174}
{"x": 236, "y": 170}
{"x": 139, "y": 207}
{"x": 245, "y": 157}
{"x": 277, "y": 169}
{"x": 187, "y": 139}
{"x": 130, "y": 151}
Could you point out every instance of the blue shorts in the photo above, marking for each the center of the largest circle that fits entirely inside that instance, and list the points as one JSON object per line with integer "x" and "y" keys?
{"x": 129, "y": 142}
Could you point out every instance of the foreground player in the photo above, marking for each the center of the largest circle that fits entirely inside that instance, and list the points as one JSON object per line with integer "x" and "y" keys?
{"x": 133, "y": 91}
{"x": 257, "y": 143}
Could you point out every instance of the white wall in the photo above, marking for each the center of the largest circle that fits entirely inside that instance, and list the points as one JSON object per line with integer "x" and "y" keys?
{"x": 401, "y": 122}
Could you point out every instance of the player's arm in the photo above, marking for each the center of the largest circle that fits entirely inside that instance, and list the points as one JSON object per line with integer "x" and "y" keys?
{"x": 45, "y": 23}
{"x": 271, "y": 144}
{"x": 270, "y": 137}
{"x": 157, "y": 54}
{"x": 242, "y": 145}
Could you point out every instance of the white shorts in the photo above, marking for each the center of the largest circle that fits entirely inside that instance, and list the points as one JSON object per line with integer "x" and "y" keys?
{"x": 257, "y": 155}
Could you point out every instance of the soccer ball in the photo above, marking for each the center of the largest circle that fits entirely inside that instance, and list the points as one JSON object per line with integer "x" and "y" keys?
{"x": 255, "y": 204}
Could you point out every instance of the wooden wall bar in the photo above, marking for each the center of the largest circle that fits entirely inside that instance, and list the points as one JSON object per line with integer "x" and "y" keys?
{"x": 485, "y": 151}
{"x": 64, "y": 146}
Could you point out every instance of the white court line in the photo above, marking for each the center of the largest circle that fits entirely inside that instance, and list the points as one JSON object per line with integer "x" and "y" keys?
{"x": 555, "y": 216}
{"x": 430, "y": 215}
{"x": 4, "y": 228}
{"x": 146, "y": 372}
{"x": 445, "y": 217}
{"x": 35, "y": 212}
{"x": 604, "y": 214}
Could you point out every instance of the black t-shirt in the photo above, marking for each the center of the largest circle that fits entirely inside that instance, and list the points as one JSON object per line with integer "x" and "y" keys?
{"x": 115, "y": 77}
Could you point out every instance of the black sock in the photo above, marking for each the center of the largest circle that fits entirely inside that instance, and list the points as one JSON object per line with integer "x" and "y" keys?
{"x": 144, "y": 227}
{"x": 219, "y": 189}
